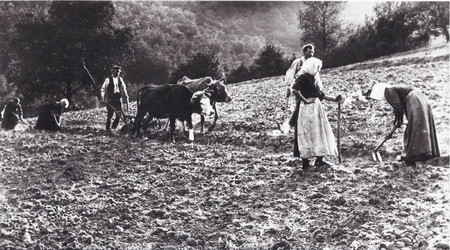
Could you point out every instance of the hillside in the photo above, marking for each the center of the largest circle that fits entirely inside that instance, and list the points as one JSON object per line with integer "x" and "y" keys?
{"x": 238, "y": 187}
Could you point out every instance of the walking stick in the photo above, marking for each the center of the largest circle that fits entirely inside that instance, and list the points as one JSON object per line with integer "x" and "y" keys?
{"x": 286, "y": 107}
{"x": 283, "y": 117}
{"x": 339, "y": 133}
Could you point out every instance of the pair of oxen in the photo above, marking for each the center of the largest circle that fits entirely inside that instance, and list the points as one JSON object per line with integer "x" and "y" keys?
{"x": 180, "y": 101}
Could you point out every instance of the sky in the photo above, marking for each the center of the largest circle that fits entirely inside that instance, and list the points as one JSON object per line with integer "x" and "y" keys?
{"x": 355, "y": 11}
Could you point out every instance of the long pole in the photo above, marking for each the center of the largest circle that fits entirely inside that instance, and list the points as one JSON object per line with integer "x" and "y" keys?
{"x": 339, "y": 133}
{"x": 120, "y": 114}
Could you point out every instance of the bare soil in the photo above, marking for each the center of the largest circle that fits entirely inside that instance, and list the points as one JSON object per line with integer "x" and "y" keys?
{"x": 235, "y": 188}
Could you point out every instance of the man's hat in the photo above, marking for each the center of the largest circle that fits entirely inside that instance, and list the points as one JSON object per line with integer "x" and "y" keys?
{"x": 116, "y": 67}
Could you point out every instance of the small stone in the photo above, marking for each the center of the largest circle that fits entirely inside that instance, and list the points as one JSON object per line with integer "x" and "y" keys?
{"x": 434, "y": 176}
{"x": 159, "y": 230}
{"x": 27, "y": 238}
{"x": 407, "y": 241}
{"x": 382, "y": 246}
{"x": 191, "y": 242}
{"x": 282, "y": 245}
{"x": 320, "y": 238}
{"x": 338, "y": 232}
{"x": 316, "y": 196}
{"x": 157, "y": 213}
{"x": 443, "y": 246}
{"x": 403, "y": 214}
{"x": 272, "y": 230}
{"x": 429, "y": 198}
{"x": 399, "y": 244}
{"x": 183, "y": 235}
{"x": 374, "y": 201}
{"x": 423, "y": 243}
{"x": 88, "y": 239}
{"x": 340, "y": 201}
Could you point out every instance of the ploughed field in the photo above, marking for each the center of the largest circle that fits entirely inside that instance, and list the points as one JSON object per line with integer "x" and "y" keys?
{"x": 238, "y": 187}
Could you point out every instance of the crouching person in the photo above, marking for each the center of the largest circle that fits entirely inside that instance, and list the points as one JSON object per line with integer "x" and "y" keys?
{"x": 50, "y": 115}
{"x": 420, "y": 139}
{"x": 12, "y": 114}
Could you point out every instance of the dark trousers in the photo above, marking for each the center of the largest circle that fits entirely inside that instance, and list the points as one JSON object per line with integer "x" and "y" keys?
{"x": 116, "y": 108}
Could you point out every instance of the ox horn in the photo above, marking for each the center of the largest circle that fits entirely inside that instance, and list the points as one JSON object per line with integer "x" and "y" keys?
{"x": 223, "y": 77}
{"x": 196, "y": 95}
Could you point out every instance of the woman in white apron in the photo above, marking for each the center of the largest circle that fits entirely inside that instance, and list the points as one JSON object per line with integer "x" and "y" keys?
{"x": 313, "y": 134}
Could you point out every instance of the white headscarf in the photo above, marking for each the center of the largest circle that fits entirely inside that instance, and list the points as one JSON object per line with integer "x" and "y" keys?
{"x": 65, "y": 102}
{"x": 378, "y": 91}
{"x": 311, "y": 66}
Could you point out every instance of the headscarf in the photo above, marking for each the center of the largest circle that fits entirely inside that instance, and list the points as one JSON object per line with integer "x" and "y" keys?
{"x": 378, "y": 91}
{"x": 311, "y": 66}
{"x": 65, "y": 102}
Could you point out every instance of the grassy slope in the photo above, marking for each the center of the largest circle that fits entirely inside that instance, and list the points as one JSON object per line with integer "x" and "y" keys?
{"x": 238, "y": 187}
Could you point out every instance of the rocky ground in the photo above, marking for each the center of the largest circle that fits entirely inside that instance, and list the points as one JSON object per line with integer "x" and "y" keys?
{"x": 235, "y": 188}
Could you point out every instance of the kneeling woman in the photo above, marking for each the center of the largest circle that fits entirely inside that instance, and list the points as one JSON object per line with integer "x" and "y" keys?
{"x": 313, "y": 134}
{"x": 420, "y": 140}
{"x": 50, "y": 115}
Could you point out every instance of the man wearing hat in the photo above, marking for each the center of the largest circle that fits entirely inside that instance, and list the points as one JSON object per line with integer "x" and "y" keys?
{"x": 112, "y": 92}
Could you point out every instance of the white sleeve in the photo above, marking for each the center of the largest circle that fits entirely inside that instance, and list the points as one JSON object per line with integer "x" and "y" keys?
{"x": 289, "y": 78}
{"x": 103, "y": 89}
{"x": 319, "y": 81}
{"x": 124, "y": 87}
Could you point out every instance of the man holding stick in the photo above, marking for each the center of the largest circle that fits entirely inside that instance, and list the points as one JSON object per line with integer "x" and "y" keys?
{"x": 112, "y": 92}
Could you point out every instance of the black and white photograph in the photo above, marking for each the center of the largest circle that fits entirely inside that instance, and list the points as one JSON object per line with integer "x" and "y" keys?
{"x": 272, "y": 125}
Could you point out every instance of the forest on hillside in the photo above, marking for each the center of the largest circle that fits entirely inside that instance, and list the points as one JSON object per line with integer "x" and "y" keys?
{"x": 44, "y": 44}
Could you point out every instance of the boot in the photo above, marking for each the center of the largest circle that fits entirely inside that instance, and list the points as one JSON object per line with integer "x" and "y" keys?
{"x": 320, "y": 162}
{"x": 305, "y": 163}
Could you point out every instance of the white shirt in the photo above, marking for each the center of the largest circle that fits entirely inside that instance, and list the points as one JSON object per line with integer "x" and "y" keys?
{"x": 116, "y": 87}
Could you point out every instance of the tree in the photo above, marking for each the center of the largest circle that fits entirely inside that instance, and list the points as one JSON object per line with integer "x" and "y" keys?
{"x": 203, "y": 63}
{"x": 239, "y": 74}
{"x": 433, "y": 17}
{"x": 49, "y": 51}
{"x": 397, "y": 28}
{"x": 10, "y": 14}
{"x": 270, "y": 62}
{"x": 147, "y": 68}
{"x": 320, "y": 24}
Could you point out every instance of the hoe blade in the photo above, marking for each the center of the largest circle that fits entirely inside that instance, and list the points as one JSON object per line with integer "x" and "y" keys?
{"x": 376, "y": 156}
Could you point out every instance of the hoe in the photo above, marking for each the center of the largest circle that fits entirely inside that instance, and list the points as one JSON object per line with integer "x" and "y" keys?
{"x": 375, "y": 154}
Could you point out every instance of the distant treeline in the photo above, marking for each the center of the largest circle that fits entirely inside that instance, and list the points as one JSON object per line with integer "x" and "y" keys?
{"x": 45, "y": 43}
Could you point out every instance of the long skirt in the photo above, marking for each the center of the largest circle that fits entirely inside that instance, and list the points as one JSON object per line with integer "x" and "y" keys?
{"x": 313, "y": 134}
{"x": 420, "y": 140}
{"x": 10, "y": 121}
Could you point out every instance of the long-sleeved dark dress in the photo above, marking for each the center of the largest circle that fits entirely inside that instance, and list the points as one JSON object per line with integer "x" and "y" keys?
{"x": 420, "y": 139}
{"x": 11, "y": 116}
{"x": 49, "y": 117}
